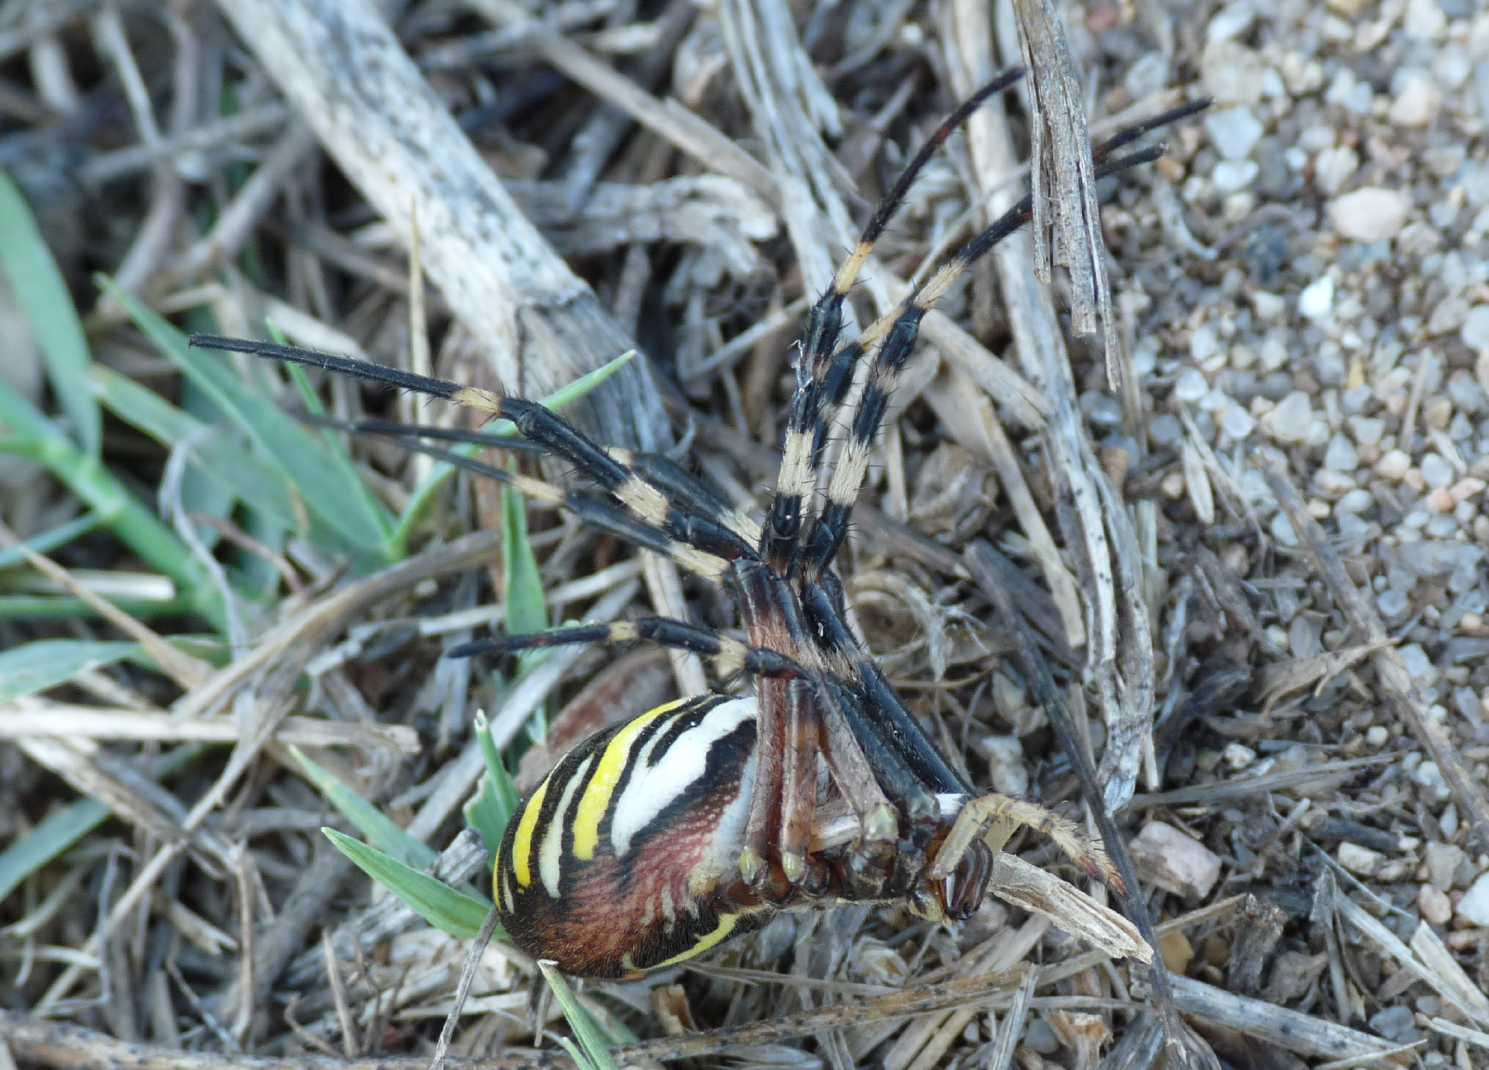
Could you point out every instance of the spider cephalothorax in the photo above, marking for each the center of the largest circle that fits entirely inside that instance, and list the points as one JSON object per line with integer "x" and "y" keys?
{"x": 657, "y": 839}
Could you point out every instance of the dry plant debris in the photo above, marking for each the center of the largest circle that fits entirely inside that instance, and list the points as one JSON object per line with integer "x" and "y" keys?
{"x": 1259, "y": 521}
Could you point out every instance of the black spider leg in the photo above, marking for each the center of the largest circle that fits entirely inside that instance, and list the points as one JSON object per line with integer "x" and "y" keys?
{"x": 730, "y": 657}
{"x": 536, "y": 424}
{"x": 603, "y": 514}
{"x": 680, "y": 486}
{"x": 895, "y": 728}
{"x": 896, "y": 335}
{"x": 797, "y": 477}
{"x": 838, "y": 377}
{"x": 401, "y": 430}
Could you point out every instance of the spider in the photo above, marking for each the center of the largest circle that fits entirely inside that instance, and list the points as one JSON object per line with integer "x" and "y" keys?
{"x": 657, "y": 839}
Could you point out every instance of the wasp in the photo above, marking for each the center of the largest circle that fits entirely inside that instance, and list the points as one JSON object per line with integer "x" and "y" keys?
{"x": 656, "y": 840}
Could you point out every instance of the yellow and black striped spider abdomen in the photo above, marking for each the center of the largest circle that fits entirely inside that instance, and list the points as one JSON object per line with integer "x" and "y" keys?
{"x": 625, "y": 858}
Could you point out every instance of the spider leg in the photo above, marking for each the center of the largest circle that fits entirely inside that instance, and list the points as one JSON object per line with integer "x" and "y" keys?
{"x": 400, "y": 430}
{"x": 599, "y": 513}
{"x": 730, "y": 657}
{"x": 992, "y": 819}
{"x": 778, "y": 543}
{"x": 896, "y": 334}
{"x": 886, "y": 717}
{"x": 803, "y": 732}
{"x": 671, "y": 478}
{"x": 693, "y": 491}
{"x": 536, "y": 424}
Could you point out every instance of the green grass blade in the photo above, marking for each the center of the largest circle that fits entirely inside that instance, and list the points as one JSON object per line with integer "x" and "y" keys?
{"x": 66, "y": 607}
{"x": 280, "y": 439}
{"x": 338, "y": 454}
{"x": 117, "y": 508}
{"x": 496, "y": 800}
{"x": 48, "y": 541}
{"x": 596, "y": 1046}
{"x": 218, "y": 456}
{"x": 447, "y": 909}
{"x": 386, "y": 834}
{"x": 60, "y": 829}
{"x": 527, "y": 605}
{"x": 25, "y": 670}
{"x": 41, "y": 294}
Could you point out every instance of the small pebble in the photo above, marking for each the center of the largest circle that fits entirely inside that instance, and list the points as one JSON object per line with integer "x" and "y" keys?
{"x": 1377, "y": 735}
{"x": 1475, "y": 329}
{"x": 1230, "y": 22}
{"x": 1425, "y": 19}
{"x": 1175, "y": 861}
{"x": 1436, "y": 471}
{"x": 1393, "y": 464}
{"x": 1360, "y": 860}
{"x": 1467, "y": 488}
{"x": 1165, "y": 430}
{"x": 1237, "y": 422}
{"x": 1395, "y": 1023}
{"x": 1436, "y": 907}
{"x": 1232, "y": 175}
{"x": 1006, "y": 765}
{"x": 1417, "y": 100}
{"x": 1317, "y": 299}
{"x": 1429, "y": 778}
{"x": 1237, "y": 755}
{"x": 1418, "y": 665}
{"x": 1440, "y": 501}
{"x": 1341, "y": 455}
{"x": 1333, "y": 167}
{"x": 1443, "y": 860}
{"x": 1269, "y": 306}
{"x": 1234, "y": 132}
{"x": 1392, "y": 603}
{"x": 1474, "y": 906}
{"x": 1204, "y": 343}
{"x": 1191, "y": 385}
{"x": 1366, "y": 429}
{"x": 1372, "y": 213}
{"x": 1290, "y": 419}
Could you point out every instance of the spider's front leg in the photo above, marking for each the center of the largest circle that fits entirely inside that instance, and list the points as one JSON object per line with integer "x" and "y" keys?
{"x": 983, "y": 825}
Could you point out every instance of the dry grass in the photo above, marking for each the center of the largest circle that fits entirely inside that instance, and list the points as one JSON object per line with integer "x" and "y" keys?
{"x": 512, "y": 200}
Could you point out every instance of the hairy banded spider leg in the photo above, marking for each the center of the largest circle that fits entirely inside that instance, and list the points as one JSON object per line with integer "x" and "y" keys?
{"x": 655, "y": 840}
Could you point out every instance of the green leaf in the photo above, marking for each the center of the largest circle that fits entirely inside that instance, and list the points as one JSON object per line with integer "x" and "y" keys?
{"x": 496, "y": 800}
{"x": 62, "y": 828}
{"x": 41, "y": 293}
{"x": 25, "y": 670}
{"x": 591, "y": 1038}
{"x": 385, "y": 833}
{"x": 447, "y": 909}
{"x": 116, "y": 506}
{"x": 48, "y": 541}
{"x": 527, "y": 605}
{"x": 218, "y": 456}
{"x": 280, "y": 438}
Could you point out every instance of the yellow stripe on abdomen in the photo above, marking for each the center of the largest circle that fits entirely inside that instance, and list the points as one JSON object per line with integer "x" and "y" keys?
{"x": 595, "y": 802}
{"x": 522, "y": 842}
{"x": 718, "y": 936}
